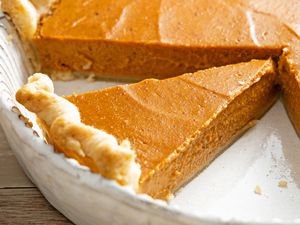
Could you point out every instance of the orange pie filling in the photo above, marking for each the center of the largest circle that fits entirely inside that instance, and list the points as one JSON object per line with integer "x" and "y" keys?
{"x": 179, "y": 125}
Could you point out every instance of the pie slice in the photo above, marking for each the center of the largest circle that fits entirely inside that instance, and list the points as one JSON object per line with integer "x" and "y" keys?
{"x": 289, "y": 70}
{"x": 175, "y": 127}
{"x": 141, "y": 39}
{"x": 289, "y": 63}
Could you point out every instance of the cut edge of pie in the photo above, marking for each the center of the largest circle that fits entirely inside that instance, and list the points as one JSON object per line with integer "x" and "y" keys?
{"x": 289, "y": 72}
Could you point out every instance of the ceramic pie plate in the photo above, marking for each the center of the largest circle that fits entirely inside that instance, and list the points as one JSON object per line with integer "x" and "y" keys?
{"x": 264, "y": 158}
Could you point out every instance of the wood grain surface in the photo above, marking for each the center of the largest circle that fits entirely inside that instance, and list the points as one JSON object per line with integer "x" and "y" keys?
{"x": 20, "y": 201}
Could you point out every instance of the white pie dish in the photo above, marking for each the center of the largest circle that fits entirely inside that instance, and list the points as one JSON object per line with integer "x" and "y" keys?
{"x": 222, "y": 194}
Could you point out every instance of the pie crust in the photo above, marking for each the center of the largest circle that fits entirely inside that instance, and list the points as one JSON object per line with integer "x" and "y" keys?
{"x": 61, "y": 120}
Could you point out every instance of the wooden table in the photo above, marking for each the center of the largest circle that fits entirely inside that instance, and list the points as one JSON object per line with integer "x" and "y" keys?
{"x": 20, "y": 201}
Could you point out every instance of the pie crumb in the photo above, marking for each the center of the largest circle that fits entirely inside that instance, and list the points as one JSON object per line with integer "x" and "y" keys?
{"x": 9, "y": 38}
{"x": 170, "y": 197}
{"x": 257, "y": 190}
{"x": 91, "y": 77}
{"x": 87, "y": 65}
{"x": 282, "y": 184}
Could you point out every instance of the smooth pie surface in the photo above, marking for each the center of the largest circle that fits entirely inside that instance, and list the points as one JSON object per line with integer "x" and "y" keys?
{"x": 138, "y": 39}
{"x": 287, "y": 12}
{"x": 177, "y": 126}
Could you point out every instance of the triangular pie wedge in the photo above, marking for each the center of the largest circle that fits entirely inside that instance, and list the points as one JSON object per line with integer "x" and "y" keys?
{"x": 175, "y": 127}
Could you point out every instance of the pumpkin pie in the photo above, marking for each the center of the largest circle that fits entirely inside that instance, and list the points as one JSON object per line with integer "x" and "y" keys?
{"x": 141, "y": 39}
{"x": 156, "y": 134}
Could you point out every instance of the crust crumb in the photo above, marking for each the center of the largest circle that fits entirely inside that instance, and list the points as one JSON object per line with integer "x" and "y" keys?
{"x": 23, "y": 118}
{"x": 87, "y": 65}
{"x": 282, "y": 184}
{"x": 257, "y": 190}
{"x": 91, "y": 77}
{"x": 10, "y": 38}
{"x": 16, "y": 110}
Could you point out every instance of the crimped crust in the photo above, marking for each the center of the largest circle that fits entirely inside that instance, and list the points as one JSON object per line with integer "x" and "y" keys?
{"x": 92, "y": 147}
{"x": 25, "y": 15}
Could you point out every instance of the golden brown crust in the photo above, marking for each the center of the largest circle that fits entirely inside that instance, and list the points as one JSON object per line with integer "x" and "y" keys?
{"x": 94, "y": 148}
{"x": 25, "y": 15}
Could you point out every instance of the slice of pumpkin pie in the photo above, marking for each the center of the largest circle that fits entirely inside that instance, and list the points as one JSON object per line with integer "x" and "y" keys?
{"x": 171, "y": 129}
{"x": 289, "y": 63}
{"x": 289, "y": 71}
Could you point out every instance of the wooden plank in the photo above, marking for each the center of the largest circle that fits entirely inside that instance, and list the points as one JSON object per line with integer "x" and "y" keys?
{"x": 20, "y": 201}
{"x": 27, "y": 206}
{"x": 11, "y": 174}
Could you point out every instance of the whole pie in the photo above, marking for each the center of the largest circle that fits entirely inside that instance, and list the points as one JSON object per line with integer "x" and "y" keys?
{"x": 155, "y": 135}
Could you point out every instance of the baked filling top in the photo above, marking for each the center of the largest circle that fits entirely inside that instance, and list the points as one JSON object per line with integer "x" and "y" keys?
{"x": 202, "y": 23}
